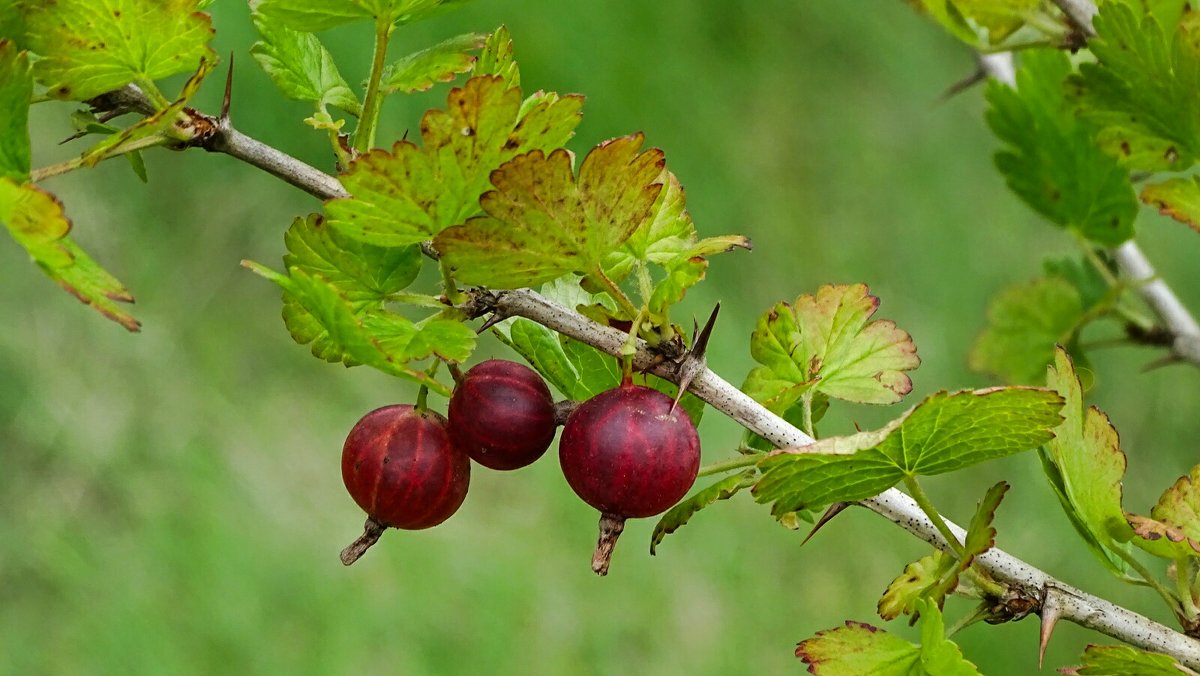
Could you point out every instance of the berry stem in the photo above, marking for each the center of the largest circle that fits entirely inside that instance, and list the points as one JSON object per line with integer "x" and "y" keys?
{"x": 611, "y": 526}
{"x": 563, "y": 409}
{"x": 371, "y": 532}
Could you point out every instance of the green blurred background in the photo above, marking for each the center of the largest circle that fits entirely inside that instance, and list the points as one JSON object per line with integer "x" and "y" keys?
{"x": 170, "y": 502}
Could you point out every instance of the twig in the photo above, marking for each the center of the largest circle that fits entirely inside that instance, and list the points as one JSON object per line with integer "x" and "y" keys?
{"x": 1078, "y": 607}
{"x": 1129, "y": 256}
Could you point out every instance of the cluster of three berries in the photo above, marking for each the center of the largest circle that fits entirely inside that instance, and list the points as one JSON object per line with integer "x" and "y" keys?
{"x": 627, "y": 452}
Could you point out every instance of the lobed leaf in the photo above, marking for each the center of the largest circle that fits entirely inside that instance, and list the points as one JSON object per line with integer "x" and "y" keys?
{"x": 1051, "y": 162}
{"x": 35, "y": 219}
{"x": 859, "y": 648}
{"x": 981, "y": 535}
{"x": 1085, "y": 465}
{"x": 1179, "y": 505}
{"x": 364, "y": 275}
{"x": 300, "y": 66}
{"x": 497, "y": 58}
{"x": 680, "y": 514}
{"x": 944, "y": 433}
{"x": 1178, "y": 198}
{"x": 16, "y": 94}
{"x": 410, "y": 194}
{"x": 378, "y": 338}
{"x": 1103, "y": 660}
{"x": 667, "y": 240}
{"x": 826, "y": 344}
{"x": 1025, "y": 324}
{"x": 1141, "y": 89}
{"x": 90, "y": 47}
{"x": 419, "y": 71}
{"x": 543, "y": 222}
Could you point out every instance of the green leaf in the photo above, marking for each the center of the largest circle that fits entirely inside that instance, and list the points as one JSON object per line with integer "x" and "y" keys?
{"x": 1091, "y": 286}
{"x": 1025, "y": 323}
{"x": 543, "y": 222}
{"x": 36, "y": 220}
{"x": 497, "y": 58}
{"x": 12, "y": 23}
{"x": 1001, "y": 18}
{"x": 825, "y": 343}
{"x": 543, "y": 349}
{"x": 317, "y": 15}
{"x": 859, "y": 648}
{"x": 681, "y": 513}
{"x": 946, "y": 432}
{"x": 90, "y": 47}
{"x": 1121, "y": 660}
{"x": 161, "y": 127}
{"x": 667, "y": 240}
{"x": 410, "y": 194}
{"x": 1087, "y": 467}
{"x": 300, "y": 66}
{"x": 1178, "y": 198}
{"x": 946, "y": 14}
{"x": 419, "y": 71}
{"x": 1141, "y": 90}
{"x": 16, "y": 93}
{"x": 597, "y": 371}
{"x": 932, "y": 576}
{"x": 381, "y": 339}
{"x": 690, "y": 403}
{"x": 364, "y": 275}
{"x": 1051, "y": 162}
{"x": 936, "y": 576}
{"x": 981, "y": 535}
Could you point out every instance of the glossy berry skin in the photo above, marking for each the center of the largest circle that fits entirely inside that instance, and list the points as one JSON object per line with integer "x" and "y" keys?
{"x": 400, "y": 466}
{"x": 502, "y": 415}
{"x": 626, "y": 453}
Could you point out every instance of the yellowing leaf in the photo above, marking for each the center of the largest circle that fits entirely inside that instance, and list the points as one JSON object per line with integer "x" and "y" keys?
{"x": 1178, "y": 198}
{"x": 826, "y": 343}
{"x": 543, "y": 222}
{"x": 36, "y": 220}
{"x": 410, "y": 194}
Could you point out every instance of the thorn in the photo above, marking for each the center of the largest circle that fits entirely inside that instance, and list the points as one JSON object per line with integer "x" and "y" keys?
{"x": 694, "y": 362}
{"x": 1160, "y": 363}
{"x": 963, "y": 85}
{"x": 1051, "y": 612}
{"x": 228, "y": 91}
{"x": 834, "y": 509}
{"x": 495, "y": 319}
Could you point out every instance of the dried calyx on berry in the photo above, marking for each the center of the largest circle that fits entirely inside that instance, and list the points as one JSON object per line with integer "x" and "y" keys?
{"x": 630, "y": 453}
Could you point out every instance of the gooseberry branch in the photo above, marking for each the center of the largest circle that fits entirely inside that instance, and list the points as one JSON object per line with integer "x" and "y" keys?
{"x": 1022, "y": 579}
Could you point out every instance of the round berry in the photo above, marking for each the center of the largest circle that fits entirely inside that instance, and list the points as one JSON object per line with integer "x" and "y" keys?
{"x": 629, "y": 453}
{"x": 502, "y": 415}
{"x": 401, "y": 468}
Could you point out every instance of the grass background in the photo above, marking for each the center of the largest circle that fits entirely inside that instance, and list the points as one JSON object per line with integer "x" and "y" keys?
{"x": 170, "y": 502}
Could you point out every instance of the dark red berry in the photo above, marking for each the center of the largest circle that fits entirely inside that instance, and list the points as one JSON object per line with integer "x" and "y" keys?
{"x": 629, "y": 453}
{"x": 400, "y": 466}
{"x": 502, "y": 415}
